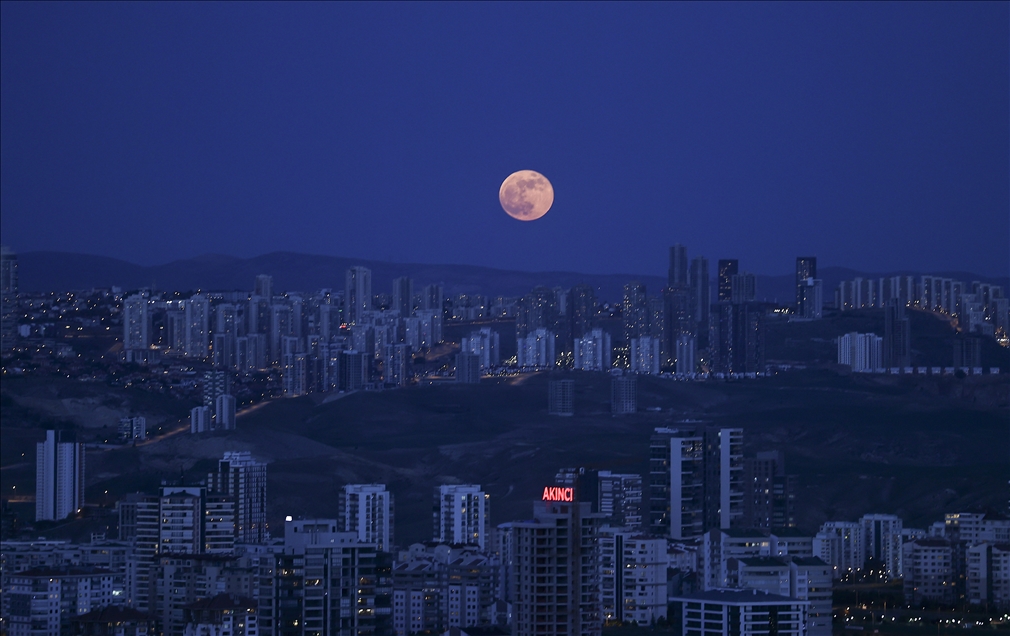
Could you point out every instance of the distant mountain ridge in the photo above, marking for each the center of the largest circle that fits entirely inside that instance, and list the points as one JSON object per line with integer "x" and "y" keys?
{"x": 60, "y": 271}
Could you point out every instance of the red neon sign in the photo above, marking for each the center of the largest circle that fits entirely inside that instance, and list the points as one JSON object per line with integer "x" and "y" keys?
{"x": 556, "y": 493}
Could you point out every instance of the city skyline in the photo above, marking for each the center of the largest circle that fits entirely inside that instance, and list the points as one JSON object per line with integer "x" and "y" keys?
{"x": 863, "y": 135}
{"x": 388, "y": 319}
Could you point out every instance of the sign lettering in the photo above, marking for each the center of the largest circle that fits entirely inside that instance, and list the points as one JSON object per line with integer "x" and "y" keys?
{"x": 557, "y": 493}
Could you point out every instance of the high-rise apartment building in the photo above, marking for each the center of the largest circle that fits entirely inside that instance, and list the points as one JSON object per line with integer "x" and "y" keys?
{"x": 554, "y": 568}
{"x": 197, "y": 327}
{"x": 244, "y": 479}
{"x": 701, "y": 299}
{"x": 633, "y": 576}
{"x": 264, "y": 287}
{"x": 396, "y": 369}
{"x": 353, "y": 370}
{"x": 678, "y": 274}
{"x": 840, "y": 544}
{"x": 224, "y": 413}
{"x": 462, "y": 515}
{"x": 200, "y": 419}
{"x": 323, "y": 582}
{"x": 811, "y": 299}
{"x": 433, "y": 298}
{"x": 8, "y": 296}
{"x": 136, "y": 322}
{"x": 644, "y": 355}
{"x": 403, "y": 296}
{"x": 44, "y": 601}
{"x": 728, "y": 268}
{"x": 561, "y": 397}
{"x": 739, "y": 347}
{"x": 620, "y": 498}
{"x": 485, "y": 343}
{"x": 724, "y": 477}
{"x": 468, "y": 369}
{"x": 367, "y": 511}
{"x": 679, "y": 310}
{"x": 593, "y": 351}
{"x": 686, "y": 354}
{"x": 769, "y": 493}
{"x": 897, "y": 345}
{"x": 357, "y": 294}
{"x": 882, "y": 543}
{"x": 861, "y": 351}
{"x": 623, "y": 395}
{"x": 742, "y": 288}
{"x": 59, "y": 476}
{"x": 806, "y": 268}
{"x": 582, "y": 300}
{"x": 635, "y": 310}
{"x": 537, "y": 310}
{"x": 215, "y": 384}
{"x": 696, "y": 480}
{"x": 536, "y": 349}
{"x": 132, "y": 428}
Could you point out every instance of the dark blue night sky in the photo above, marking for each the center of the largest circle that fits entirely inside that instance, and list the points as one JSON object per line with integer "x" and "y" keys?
{"x": 874, "y": 136}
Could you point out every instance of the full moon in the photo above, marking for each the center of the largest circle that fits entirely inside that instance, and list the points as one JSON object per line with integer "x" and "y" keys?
{"x": 526, "y": 195}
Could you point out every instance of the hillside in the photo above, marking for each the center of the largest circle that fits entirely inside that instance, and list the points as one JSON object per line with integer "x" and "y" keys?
{"x": 914, "y": 447}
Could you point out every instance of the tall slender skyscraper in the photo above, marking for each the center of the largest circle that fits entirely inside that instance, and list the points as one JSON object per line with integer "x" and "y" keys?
{"x": 897, "y": 337}
{"x": 806, "y": 267}
{"x": 197, "y": 328}
{"x": 728, "y": 267}
{"x": 635, "y": 310}
{"x": 678, "y": 274}
{"x": 583, "y": 302}
{"x": 358, "y": 294}
{"x": 403, "y": 296}
{"x": 679, "y": 317}
{"x": 59, "y": 476}
{"x": 8, "y": 296}
{"x": 701, "y": 299}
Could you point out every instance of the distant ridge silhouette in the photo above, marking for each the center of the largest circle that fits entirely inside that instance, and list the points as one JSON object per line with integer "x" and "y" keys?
{"x": 58, "y": 271}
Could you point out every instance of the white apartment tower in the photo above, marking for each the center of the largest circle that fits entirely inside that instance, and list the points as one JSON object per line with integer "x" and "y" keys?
{"x": 59, "y": 477}
{"x": 536, "y": 349}
{"x": 645, "y": 355}
{"x": 484, "y": 343}
{"x": 224, "y": 413}
{"x": 367, "y": 510}
{"x": 593, "y": 351}
{"x": 200, "y": 419}
{"x": 686, "y": 354}
{"x": 462, "y": 515}
{"x": 136, "y": 322}
{"x": 197, "y": 328}
{"x": 861, "y": 351}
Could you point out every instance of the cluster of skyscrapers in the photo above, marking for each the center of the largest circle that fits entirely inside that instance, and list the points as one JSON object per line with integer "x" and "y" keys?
{"x": 978, "y": 307}
{"x": 319, "y": 342}
{"x": 707, "y": 527}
